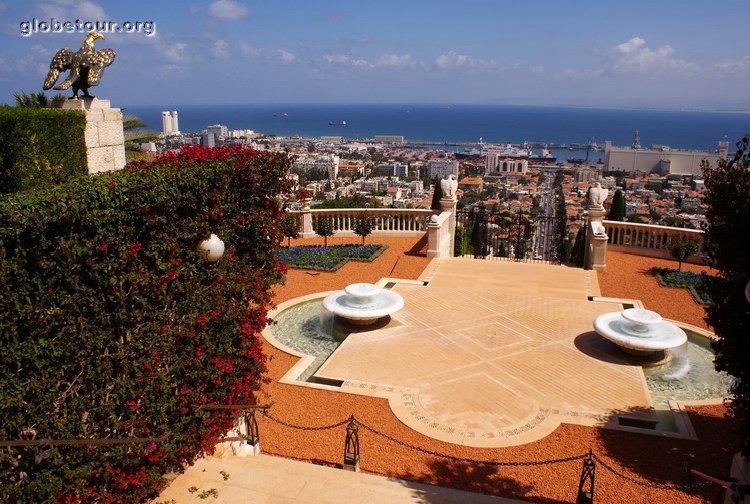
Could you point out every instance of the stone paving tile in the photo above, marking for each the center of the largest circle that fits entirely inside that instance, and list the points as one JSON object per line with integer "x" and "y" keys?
{"x": 491, "y": 355}
{"x": 265, "y": 479}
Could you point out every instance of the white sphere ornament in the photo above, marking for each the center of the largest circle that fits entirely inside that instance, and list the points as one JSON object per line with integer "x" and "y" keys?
{"x": 212, "y": 248}
{"x": 747, "y": 291}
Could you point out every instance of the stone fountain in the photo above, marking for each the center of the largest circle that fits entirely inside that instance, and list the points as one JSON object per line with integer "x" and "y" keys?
{"x": 363, "y": 303}
{"x": 638, "y": 331}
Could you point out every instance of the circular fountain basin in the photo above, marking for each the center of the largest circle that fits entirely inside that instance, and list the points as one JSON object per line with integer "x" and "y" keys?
{"x": 363, "y": 303}
{"x": 639, "y": 331}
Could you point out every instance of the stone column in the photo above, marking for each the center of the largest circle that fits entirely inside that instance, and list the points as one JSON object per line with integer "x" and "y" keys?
{"x": 105, "y": 140}
{"x": 595, "y": 257}
{"x": 306, "y": 230}
{"x": 433, "y": 238}
{"x": 449, "y": 205}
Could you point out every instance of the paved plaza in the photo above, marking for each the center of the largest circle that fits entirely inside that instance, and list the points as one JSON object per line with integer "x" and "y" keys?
{"x": 492, "y": 354}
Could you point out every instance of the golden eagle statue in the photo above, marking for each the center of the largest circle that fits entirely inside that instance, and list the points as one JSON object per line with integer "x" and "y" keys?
{"x": 86, "y": 66}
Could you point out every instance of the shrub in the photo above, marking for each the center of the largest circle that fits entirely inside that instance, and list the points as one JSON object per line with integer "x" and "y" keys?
{"x": 303, "y": 194}
{"x": 681, "y": 249}
{"x": 323, "y": 226}
{"x": 363, "y": 227}
{"x": 290, "y": 227}
{"x": 113, "y": 327}
{"x": 40, "y": 147}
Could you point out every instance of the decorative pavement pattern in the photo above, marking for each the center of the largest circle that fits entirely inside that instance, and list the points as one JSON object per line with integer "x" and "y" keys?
{"x": 492, "y": 354}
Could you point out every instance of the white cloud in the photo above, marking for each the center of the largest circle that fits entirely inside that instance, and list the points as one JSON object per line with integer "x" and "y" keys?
{"x": 454, "y": 60}
{"x": 220, "y": 49}
{"x": 3, "y": 6}
{"x": 537, "y": 70}
{"x": 228, "y": 9}
{"x": 174, "y": 52}
{"x": 397, "y": 60}
{"x": 268, "y": 55}
{"x": 286, "y": 56}
{"x": 634, "y": 56}
{"x": 733, "y": 67}
{"x": 84, "y": 10}
{"x": 346, "y": 60}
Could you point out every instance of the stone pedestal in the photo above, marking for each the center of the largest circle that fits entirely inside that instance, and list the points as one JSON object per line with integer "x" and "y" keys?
{"x": 105, "y": 140}
{"x": 306, "y": 223}
{"x": 595, "y": 257}
{"x": 449, "y": 205}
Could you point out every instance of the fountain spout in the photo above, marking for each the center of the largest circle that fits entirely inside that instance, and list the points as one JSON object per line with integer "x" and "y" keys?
{"x": 363, "y": 303}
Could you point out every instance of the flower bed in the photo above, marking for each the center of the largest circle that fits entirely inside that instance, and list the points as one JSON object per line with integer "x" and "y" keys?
{"x": 328, "y": 258}
{"x": 695, "y": 283}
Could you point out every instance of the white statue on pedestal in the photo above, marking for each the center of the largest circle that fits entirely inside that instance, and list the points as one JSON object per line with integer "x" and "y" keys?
{"x": 449, "y": 185}
{"x": 597, "y": 196}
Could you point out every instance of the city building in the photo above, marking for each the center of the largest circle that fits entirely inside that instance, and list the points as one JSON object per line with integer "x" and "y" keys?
{"x": 169, "y": 123}
{"x": 208, "y": 139}
{"x": 219, "y": 130}
{"x": 394, "y": 139}
{"x": 328, "y": 163}
{"x": 497, "y": 163}
{"x": 439, "y": 168}
{"x": 471, "y": 184}
{"x": 660, "y": 159}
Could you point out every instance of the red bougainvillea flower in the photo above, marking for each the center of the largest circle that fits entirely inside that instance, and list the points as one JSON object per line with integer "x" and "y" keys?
{"x": 103, "y": 247}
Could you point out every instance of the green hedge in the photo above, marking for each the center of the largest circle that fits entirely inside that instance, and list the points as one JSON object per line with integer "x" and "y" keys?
{"x": 40, "y": 147}
{"x": 112, "y": 326}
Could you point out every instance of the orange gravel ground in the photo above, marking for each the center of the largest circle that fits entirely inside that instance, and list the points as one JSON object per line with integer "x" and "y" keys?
{"x": 642, "y": 457}
{"x": 629, "y": 276}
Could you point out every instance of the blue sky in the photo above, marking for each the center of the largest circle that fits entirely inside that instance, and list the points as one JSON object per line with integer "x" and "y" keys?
{"x": 644, "y": 54}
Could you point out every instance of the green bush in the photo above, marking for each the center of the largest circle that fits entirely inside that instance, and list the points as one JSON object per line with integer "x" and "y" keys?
{"x": 112, "y": 325}
{"x": 40, "y": 147}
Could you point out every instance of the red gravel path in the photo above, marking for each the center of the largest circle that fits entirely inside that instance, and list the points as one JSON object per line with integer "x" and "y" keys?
{"x": 629, "y": 276}
{"x": 640, "y": 457}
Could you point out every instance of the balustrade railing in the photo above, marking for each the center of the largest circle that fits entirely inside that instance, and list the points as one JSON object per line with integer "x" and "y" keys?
{"x": 385, "y": 221}
{"x": 648, "y": 239}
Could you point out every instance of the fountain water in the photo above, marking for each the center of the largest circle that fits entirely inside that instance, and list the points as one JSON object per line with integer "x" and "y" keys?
{"x": 639, "y": 331}
{"x": 363, "y": 303}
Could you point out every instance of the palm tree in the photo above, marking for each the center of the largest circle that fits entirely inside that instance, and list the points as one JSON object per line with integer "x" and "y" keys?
{"x": 134, "y": 135}
{"x": 36, "y": 99}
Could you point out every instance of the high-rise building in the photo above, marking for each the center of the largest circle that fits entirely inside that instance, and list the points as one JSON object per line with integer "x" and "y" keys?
{"x": 439, "y": 168}
{"x": 169, "y": 124}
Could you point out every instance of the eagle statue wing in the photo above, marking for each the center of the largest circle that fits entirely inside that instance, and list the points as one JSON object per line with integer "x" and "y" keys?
{"x": 60, "y": 63}
{"x": 97, "y": 61}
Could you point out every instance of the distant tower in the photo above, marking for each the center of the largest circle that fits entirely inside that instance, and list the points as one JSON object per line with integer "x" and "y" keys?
{"x": 636, "y": 140}
{"x": 169, "y": 124}
{"x": 175, "y": 125}
{"x": 166, "y": 123}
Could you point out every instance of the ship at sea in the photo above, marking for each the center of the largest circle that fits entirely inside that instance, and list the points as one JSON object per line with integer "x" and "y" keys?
{"x": 523, "y": 151}
{"x": 333, "y": 123}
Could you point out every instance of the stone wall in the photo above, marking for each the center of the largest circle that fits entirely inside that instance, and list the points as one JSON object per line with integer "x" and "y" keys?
{"x": 105, "y": 139}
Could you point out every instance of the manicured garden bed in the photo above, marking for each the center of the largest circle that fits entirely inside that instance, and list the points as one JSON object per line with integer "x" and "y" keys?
{"x": 696, "y": 283}
{"x": 316, "y": 257}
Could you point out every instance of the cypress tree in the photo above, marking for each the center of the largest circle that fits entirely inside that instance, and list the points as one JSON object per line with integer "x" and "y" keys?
{"x": 617, "y": 210}
{"x": 437, "y": 195}
{"x": 728, "y": 226}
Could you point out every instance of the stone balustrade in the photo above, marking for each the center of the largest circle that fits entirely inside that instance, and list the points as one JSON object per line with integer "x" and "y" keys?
{"x": 439, "y": 234}
{"x": 385, "y": 221}
{"x": 649, "y": 239}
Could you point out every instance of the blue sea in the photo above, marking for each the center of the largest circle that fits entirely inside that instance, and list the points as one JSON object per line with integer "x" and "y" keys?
{"x": 465, "y": 123}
